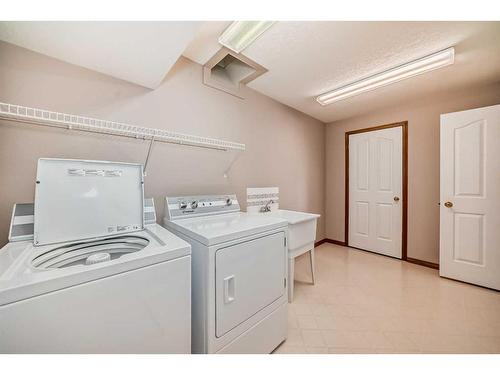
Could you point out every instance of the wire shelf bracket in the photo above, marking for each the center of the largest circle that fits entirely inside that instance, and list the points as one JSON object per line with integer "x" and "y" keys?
{"x": 73, "y": 122}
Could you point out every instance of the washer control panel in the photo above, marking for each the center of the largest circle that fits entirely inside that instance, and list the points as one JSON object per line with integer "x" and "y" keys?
{"x": 200, "y": 205}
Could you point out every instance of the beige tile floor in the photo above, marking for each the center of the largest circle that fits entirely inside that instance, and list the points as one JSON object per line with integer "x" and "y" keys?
{"x": 368, "y": 303}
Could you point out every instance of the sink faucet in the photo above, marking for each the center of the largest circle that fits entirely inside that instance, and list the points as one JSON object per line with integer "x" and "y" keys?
{"x": 267, "y": 206}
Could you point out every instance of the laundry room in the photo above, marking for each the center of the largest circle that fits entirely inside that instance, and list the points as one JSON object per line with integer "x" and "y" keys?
{"x": 313, "y": 186}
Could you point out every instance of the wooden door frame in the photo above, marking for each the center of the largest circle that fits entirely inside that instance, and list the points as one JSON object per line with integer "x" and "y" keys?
{"x": 404, "y": 233}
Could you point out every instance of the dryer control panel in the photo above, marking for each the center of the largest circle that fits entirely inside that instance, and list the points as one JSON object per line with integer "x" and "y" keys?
{"x": 199, "y": 205}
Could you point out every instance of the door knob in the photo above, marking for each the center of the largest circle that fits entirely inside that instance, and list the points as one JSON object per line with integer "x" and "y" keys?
{"x": 448, "y": 204}
{"x": 396, "y": 199}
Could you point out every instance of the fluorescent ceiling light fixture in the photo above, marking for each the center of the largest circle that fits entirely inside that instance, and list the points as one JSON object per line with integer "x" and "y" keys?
{"x": 411, "y": 69}
{"x": 240, "y": 34}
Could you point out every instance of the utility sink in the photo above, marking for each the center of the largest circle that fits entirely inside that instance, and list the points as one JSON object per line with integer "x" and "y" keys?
{"x": 301, "y": 229}
{"x": 301, "y": 237}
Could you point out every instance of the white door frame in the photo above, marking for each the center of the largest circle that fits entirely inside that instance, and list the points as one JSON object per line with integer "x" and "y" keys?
{"x": 404, "y": 234}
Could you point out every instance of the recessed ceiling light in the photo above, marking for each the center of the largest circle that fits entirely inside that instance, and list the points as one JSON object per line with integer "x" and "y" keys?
{"x": 411, "y": 69}
{"x": 240, "y": 34}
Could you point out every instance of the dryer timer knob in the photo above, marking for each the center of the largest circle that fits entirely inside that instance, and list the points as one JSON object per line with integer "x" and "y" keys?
{"x": 183, "y": 205}
{"x": 229, "y": 201}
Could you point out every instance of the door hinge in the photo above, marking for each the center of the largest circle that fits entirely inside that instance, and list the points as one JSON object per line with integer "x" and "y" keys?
{"x": 284, "y": 282}
{"x": 284, "y": 241}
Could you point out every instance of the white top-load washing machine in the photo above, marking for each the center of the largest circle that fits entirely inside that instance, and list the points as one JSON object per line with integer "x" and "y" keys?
{"x": 239, "y": 274}
{"x": 94, "y": 279}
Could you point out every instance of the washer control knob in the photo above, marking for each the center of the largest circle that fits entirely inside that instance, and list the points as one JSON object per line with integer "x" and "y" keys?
{"x": 229, "y": 201}
{"x": 194, "y": 204}
{"x": 182, "y": 205}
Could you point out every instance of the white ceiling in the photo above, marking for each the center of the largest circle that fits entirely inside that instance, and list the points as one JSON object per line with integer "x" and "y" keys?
{"x": 306, "y": 59}
{"x": 138, "y": 52}
{"x": 205, "y": 44}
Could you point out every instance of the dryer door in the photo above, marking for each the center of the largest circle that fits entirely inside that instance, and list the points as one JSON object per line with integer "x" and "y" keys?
{"x": 249, "y": 276}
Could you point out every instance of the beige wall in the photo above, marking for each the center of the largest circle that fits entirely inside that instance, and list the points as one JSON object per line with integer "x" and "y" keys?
{"x": 423, "y": 163}
{"x": 285, "y": 148}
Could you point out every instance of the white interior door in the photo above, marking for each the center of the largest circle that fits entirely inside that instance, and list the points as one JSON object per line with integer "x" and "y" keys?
{"x": 470, "y": 196}
{"x": 375, "y": 191}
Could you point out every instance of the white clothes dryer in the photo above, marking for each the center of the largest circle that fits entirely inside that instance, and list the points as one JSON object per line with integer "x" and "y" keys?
{"x": 239, "y": 274}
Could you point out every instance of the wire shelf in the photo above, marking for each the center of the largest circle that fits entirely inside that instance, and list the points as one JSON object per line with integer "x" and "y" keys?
{"x": 74, "y": 122}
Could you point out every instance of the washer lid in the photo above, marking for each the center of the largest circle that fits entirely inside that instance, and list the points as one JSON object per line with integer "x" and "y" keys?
{"x": 79, "y": 199}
